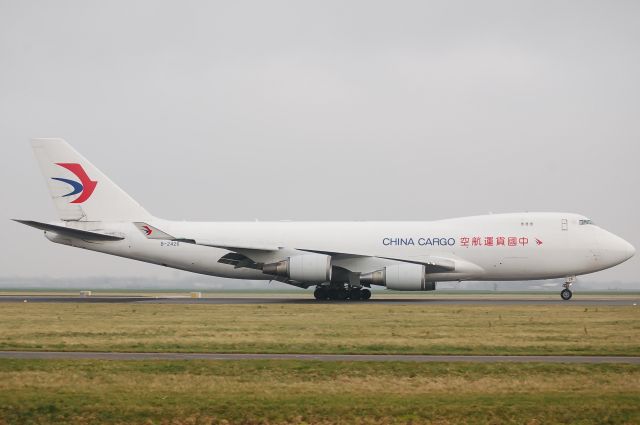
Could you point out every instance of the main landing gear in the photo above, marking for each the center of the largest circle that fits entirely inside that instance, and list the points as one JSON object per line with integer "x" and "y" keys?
{"x": 566, "y": 293}
{"x": 341, "y": 293}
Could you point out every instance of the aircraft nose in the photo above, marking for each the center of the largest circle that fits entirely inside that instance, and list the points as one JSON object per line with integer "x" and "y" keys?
{"x": 617, "y": 249}
{"x": 628, "y": 249}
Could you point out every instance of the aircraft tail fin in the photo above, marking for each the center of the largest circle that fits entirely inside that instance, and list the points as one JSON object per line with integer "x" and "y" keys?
{"x": 80, "y": 191}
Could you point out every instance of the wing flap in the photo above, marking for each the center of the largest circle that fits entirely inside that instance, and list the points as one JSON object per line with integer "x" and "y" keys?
{"x": 438, "y": 264}
{"x": 233, "y": 246}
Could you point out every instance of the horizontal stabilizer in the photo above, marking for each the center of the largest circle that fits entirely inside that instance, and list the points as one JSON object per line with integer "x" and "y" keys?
{"x": 72, "y": 233}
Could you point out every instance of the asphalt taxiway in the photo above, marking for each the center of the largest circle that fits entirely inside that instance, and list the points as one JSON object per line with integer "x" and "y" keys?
{"x": 82, "y": 355}
{"x": 520, "y": 300}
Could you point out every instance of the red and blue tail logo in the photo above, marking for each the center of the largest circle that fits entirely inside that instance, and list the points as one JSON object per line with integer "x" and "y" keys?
{"x": 84, "y": 187}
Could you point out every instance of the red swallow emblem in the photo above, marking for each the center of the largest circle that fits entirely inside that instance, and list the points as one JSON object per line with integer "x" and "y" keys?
{"x": 84, "y": 187}
{"x": 538, "y": 241}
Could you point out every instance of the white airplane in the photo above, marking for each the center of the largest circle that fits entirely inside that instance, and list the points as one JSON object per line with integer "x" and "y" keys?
{"x": 341, "y": 259}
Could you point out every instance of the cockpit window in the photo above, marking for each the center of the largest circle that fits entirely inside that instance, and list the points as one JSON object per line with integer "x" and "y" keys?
{"x": 585, "y": 221}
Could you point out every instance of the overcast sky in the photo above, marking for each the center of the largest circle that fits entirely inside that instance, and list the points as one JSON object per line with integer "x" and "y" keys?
{"x": 325, "y": 110}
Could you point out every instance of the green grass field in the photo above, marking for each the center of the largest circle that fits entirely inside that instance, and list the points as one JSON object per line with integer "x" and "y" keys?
{"x": 299, "y": 392}
{"x": 323, "y": 328}
{"x": 295, "y": 392}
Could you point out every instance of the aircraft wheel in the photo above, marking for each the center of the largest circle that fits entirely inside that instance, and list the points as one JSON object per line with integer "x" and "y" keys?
{"x": 338, "y": 294}
{"x": 566, "y": 294}
{"x": 332, "y": 293}
{"x": 321, "y": 293}
{"x": 355, "y": 294}
{"x": 365, "y": 294}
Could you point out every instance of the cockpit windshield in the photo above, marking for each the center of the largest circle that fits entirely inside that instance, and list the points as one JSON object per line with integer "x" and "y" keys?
{"x": 585, "y": 221}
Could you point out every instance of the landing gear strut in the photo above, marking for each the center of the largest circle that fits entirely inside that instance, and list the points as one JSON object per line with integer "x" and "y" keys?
{"x": 341, "y": 293}
{"x": 566, "y": 293}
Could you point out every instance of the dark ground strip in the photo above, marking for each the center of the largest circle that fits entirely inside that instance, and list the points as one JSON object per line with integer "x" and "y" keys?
{"x": 80, "y": 355}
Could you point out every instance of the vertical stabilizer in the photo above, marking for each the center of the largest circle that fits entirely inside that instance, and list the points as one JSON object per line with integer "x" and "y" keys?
{"x": 79, "y": 190}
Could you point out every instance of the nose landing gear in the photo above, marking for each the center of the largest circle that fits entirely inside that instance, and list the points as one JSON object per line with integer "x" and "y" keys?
{"x": 566, "y": 293}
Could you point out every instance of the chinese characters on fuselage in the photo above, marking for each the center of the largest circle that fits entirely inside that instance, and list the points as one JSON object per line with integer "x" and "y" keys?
{"x": 463, "y": 241}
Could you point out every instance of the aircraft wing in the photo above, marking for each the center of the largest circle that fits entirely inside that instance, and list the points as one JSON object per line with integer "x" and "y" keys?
{"x": 232, "y": 246}
{"x": 251, "y": 254}
{"x": 152, "y": 232}
{"x": 441, "y": 263}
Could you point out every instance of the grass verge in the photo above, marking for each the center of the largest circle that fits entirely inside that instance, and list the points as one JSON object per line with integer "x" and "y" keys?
{"x": 288, "y": 392}
{"x": 344, "y": 328}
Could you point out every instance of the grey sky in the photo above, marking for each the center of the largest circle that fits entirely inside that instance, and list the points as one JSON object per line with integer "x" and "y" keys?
{"x": 322, "y": 111}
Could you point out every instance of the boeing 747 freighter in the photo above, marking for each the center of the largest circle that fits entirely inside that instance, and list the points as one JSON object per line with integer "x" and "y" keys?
{"x": 340, "y": 259}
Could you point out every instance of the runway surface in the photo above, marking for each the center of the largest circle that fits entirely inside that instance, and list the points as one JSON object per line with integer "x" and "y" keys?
{"x": 521, "y": 300}
{"x": 79, "y": 355}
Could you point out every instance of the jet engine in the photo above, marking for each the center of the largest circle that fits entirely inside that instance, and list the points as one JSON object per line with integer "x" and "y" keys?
{"x": 401, "y": 277}
{"x": 307, "y": 268}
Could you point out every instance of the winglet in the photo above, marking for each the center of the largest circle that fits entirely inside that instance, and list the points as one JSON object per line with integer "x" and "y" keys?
{"x": 152, "y": 232}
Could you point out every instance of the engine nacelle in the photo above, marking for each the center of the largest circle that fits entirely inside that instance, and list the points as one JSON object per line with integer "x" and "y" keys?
{"x": 401, "y": 277}
{"x": 307, "y": 268}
